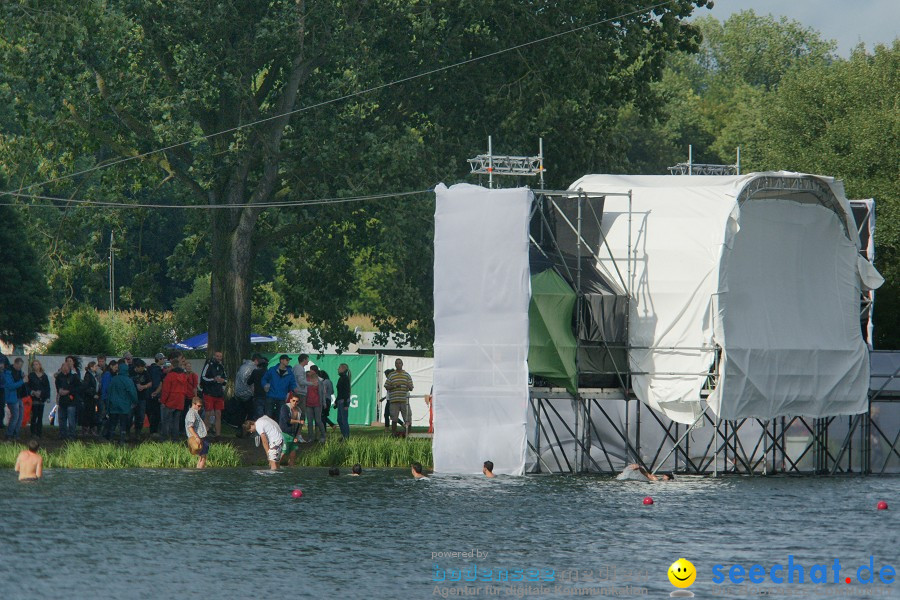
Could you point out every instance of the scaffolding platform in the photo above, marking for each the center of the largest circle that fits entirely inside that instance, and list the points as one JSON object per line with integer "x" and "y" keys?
{"x": 601, "y": 430}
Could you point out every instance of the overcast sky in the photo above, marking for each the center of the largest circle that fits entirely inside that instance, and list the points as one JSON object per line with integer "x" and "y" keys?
{"x": 848, "y": 22}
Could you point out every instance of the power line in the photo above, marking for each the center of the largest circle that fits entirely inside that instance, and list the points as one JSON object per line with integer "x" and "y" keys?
{"x": 285, "y": 204}
{"x": 340, "y": 98}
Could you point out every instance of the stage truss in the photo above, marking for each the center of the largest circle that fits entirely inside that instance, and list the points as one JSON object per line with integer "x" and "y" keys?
{"x": 593, "y": 441}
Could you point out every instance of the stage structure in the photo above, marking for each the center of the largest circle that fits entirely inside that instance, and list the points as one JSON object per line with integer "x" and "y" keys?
{"x": 864, "y": 215}
{"x": 692, "y": 168}
{"x": 645, "y": 290}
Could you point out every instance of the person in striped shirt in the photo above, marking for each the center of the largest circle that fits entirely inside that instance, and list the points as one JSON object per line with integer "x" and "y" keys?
{"x": 399, "y": 384}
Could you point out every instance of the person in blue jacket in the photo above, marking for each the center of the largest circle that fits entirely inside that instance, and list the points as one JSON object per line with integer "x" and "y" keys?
{"x": 122, "y": 397}
{"x": 11, "y": 396}
{"x": 278, "y": 382}
{"x": 105, "y": 380}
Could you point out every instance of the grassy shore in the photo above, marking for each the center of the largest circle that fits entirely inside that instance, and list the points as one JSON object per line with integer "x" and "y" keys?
{"x": 150, "y": 455}
{"x": 371, "y": 452}
{"x": 370, "y": 447}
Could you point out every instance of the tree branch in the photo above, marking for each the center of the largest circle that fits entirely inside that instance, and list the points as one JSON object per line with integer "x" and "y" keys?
{"x": 158, "y": 159}
{"x": 205, "y": 119}
{"x": 182, "y": 174}
{"x": 139, "y": 128}
{"x": 266, "y": 86}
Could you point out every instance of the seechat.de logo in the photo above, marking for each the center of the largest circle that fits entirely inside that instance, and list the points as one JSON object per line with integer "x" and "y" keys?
{"x": 794, "y": 572}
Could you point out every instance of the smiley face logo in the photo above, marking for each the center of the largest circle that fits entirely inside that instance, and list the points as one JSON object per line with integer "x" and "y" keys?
{"x": 682, "y": 573}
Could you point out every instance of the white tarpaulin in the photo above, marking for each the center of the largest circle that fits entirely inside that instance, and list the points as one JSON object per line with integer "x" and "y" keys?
{"x": 763, "y": 265}
{"x": 481, "y": 296}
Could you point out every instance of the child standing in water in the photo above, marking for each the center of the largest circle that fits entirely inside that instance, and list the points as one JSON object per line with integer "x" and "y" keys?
{"x": 30, "y": 464}
{"x": 196, "y": 432}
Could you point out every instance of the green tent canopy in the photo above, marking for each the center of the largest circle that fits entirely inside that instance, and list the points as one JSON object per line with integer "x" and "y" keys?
{"x": 551, "y": 353}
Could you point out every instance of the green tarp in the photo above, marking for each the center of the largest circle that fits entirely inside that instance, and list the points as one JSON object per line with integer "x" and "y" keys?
{"x": 551, "y": 352}
{"x": 363, "y": 381}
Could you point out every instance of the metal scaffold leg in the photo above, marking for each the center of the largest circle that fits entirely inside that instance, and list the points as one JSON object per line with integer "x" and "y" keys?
{"x": 566, "y": 430}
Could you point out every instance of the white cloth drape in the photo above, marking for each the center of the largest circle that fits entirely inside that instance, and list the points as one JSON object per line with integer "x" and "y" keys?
{"x": 481, "y": 295}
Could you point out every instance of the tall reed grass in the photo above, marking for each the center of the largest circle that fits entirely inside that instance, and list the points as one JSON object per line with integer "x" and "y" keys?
{"x": 153, "y": 455}
{"x": 369, "y": 452}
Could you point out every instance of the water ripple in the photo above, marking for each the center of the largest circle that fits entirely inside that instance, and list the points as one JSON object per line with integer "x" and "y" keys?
{"x": 238, "y": 533}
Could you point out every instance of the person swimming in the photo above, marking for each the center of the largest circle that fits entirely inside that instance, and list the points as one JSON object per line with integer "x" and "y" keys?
{"x": 416, "y": 470}
{"x": 29, "y": 463}
{"x": 635, "y": 472}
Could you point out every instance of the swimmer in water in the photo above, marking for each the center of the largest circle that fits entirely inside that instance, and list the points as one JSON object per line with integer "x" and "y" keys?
{"x": 30, "y": 464}
{"x": 416, "y": 469}
{"x": 488, "y": 469}
{"x": 356, "y": 471}
{"x": 650, "y": 476}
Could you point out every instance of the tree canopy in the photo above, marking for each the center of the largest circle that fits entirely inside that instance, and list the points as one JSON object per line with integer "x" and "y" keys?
{"x": 24, "y": 305}
{"x": 843, "y": 119}
{"x": 98, "y": 83}
{"x": 232, "y": 107}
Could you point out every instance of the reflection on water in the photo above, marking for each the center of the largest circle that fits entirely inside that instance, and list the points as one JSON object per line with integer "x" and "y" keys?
{"x": 237, "y": 533}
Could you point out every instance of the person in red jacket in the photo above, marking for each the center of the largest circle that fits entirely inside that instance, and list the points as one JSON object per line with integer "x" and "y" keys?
{"x": 174, "y": 389}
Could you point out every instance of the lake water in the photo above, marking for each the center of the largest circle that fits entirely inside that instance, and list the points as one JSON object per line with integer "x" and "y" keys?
{"x": 237, "y": 533}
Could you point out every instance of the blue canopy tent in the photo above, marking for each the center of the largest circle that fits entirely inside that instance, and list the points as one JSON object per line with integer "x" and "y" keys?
{"x": 201, "y": 340}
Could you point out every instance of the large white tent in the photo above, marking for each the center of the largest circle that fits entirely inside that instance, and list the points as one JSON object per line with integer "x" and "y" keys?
{"x": 764, "y": 266}
{"x": 760, "y": 271}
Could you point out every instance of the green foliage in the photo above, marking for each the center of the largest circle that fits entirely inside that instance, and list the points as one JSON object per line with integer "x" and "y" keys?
{"x": 756, "y": 50}
{"x": 192, "y": 311}
{"x": 143, "y": 333}
{"x": 23, "y": 288}
{"x": 88, "y": 331}
{"x": 712, "y": 98}
{"x": 267, "y": 309}
{"x": 843, "y": 119}
{"x": 149, "y": 455}
{"x": 82, "y": 332}
{"x": 774, "y": 88}
{"x": 90, "y": 82}
{"x": 267, "y": 313}
{"x": 369, "y": 452}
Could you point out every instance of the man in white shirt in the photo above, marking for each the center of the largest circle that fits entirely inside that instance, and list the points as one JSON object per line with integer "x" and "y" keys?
{"x": 271, "y": 437}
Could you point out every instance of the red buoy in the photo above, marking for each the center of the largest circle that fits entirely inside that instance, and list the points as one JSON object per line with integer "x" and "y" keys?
{"x": 296, "y": 494}
{"x": 648, "y": 501}
{"x": 882, "y": 505}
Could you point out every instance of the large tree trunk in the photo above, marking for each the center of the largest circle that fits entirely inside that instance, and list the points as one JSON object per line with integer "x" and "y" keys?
{"x": 232, "y": 229}
{"x": 231, "y": 283}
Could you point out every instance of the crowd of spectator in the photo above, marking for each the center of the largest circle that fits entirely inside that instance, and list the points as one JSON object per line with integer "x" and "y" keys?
{"x": 113, "y": 400}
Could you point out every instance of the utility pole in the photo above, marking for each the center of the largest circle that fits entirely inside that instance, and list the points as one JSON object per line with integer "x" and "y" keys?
{"x": 112, "y": 274}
